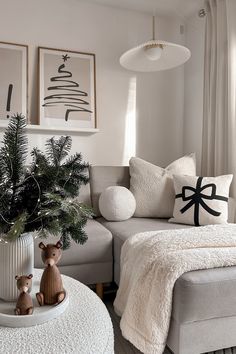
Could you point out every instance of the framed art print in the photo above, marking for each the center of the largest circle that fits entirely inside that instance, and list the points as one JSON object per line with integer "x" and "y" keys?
{"x": 13, "y": 79}
{"x": 67, "y": 89}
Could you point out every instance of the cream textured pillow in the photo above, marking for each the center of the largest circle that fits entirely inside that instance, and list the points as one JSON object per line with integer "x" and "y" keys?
{"x": 201, "y": 200}
{"x": 153, "y": 188}
{"x": 117, "y": 203}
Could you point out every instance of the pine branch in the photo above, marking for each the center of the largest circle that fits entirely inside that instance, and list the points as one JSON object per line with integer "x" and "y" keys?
{"x": 65, "y": 240}
{"x": 43, "y": 233}
{"x": 5, "y": 198}
{"x": 41, "y": 197}
{"x": 40, "y": 161}
{"x": 84, "y": 210}
{"x": 14, "y": 151}
{"x": 57, "y": 150}
{"x": 12, "y": 158}
{"x": 72, "y": 160}
{"x": 77, "y": 233}
{"x": 18, "y": 227}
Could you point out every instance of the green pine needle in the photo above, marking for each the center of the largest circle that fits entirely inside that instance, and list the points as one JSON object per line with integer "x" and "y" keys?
{"x": 18, "y": 227}
{"x": 14, "y": 150}
{"x": 57, "y": 150}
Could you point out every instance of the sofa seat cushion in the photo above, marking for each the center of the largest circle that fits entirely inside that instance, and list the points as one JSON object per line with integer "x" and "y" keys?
{"x": 198, "y": 295}
{"x": 97, "y": 249}
{"x": 205, "y": 294}
{"x": 122, "y": 230}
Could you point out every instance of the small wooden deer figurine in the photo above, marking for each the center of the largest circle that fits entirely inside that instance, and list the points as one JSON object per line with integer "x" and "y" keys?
{"x": 51, "y": 288}
{"x": 24, "y": 305}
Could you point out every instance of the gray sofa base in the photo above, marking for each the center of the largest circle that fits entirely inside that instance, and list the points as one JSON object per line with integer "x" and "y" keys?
{"x": 202, "y": 336}
{"x": 88, "y": 274}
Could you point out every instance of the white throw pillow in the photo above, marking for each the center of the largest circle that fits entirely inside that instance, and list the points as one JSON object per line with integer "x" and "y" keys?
{"x": 201, "y": 200}
{"x": 117, "y": 203}
{"x": 153, "y": 188}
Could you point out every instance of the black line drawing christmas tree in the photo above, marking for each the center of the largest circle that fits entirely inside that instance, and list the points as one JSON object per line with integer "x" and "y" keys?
{"x": 71, "y": 100}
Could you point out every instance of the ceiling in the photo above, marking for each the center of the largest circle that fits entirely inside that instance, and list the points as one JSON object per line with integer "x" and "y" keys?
{"x": 180, "y": 8}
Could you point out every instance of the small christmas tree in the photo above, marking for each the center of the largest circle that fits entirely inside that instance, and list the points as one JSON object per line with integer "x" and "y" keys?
{"x": 44, "y": 196}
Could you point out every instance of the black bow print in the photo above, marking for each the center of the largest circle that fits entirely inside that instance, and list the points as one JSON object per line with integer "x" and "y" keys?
{"x": 197, "y": 199}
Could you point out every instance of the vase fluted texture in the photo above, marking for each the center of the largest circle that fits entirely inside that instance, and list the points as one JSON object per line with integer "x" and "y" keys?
{"x": 16, "y": 258}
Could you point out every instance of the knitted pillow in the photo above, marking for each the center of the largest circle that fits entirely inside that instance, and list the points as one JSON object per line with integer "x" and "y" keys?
{"x": 152, "y": 186}
{"x": 201, "y": 200}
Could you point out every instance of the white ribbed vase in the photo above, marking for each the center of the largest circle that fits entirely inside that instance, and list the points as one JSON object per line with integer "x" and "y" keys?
{"x": 16, "y": 258}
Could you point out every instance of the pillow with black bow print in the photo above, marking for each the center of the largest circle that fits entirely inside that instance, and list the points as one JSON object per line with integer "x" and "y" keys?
{"x": 201, "y": 200}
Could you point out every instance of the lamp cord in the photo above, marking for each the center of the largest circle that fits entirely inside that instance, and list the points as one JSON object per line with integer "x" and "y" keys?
{"x": 153, "y": 28}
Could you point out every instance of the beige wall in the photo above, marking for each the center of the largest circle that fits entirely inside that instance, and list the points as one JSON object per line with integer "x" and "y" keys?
{"x": 193, "y": 97}
{"x": 153, "y": 103}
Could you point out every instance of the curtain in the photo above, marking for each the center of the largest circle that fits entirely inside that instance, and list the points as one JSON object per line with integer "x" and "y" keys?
{"x": 231, "y": 139}
{"x": 219, "y": 121}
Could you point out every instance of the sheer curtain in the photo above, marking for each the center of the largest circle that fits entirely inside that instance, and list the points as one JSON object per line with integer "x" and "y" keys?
{"x": 219, "y": 120}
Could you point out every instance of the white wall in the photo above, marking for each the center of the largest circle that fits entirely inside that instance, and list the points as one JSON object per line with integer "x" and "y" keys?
{"x": 193, "y": 98}
{"x": 155, "y": 99}
{"x": 160, "y": 111}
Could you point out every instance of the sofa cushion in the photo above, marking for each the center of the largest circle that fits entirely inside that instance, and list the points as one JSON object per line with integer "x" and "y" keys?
{"x": 117, "y": 203}
{"x": 201, "y": 200}
{"x": 122, "y": 230}
{"x": 152, "y": 186}
{"x": 97, "y": 249}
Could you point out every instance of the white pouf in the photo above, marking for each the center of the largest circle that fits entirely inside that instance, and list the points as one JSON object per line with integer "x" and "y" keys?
{"x": 84, "y": 328}
{"x": 117, "y": 203}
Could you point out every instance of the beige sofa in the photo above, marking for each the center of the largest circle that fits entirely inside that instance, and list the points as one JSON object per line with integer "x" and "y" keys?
{"x": 204, "y": 301}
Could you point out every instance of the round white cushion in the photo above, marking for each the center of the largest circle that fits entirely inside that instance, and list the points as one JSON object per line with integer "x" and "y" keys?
{"x": 117, "y": 203}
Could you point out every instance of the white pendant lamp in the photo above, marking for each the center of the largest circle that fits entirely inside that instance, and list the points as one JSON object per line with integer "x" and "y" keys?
{"x": 155, "y": 55}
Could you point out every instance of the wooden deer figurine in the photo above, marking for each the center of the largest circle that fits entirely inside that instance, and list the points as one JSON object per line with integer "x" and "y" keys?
{"x": 51, "y": 288}
{"x": 24, "y": 305}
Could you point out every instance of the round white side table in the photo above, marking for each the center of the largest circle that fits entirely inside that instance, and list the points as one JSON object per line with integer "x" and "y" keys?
{"x": 84, "y": 328}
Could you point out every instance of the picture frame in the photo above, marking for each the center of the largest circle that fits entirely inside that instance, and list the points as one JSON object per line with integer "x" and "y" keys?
{"x": 67, "y": 89}
{"x": 13, "y": 80}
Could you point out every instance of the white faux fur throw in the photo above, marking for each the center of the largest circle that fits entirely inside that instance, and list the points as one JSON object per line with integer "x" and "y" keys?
{"x": 151, "y": 262}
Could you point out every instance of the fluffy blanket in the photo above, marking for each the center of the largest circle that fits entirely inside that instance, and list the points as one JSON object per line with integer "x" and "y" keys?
{"x": 151, "y": 262}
